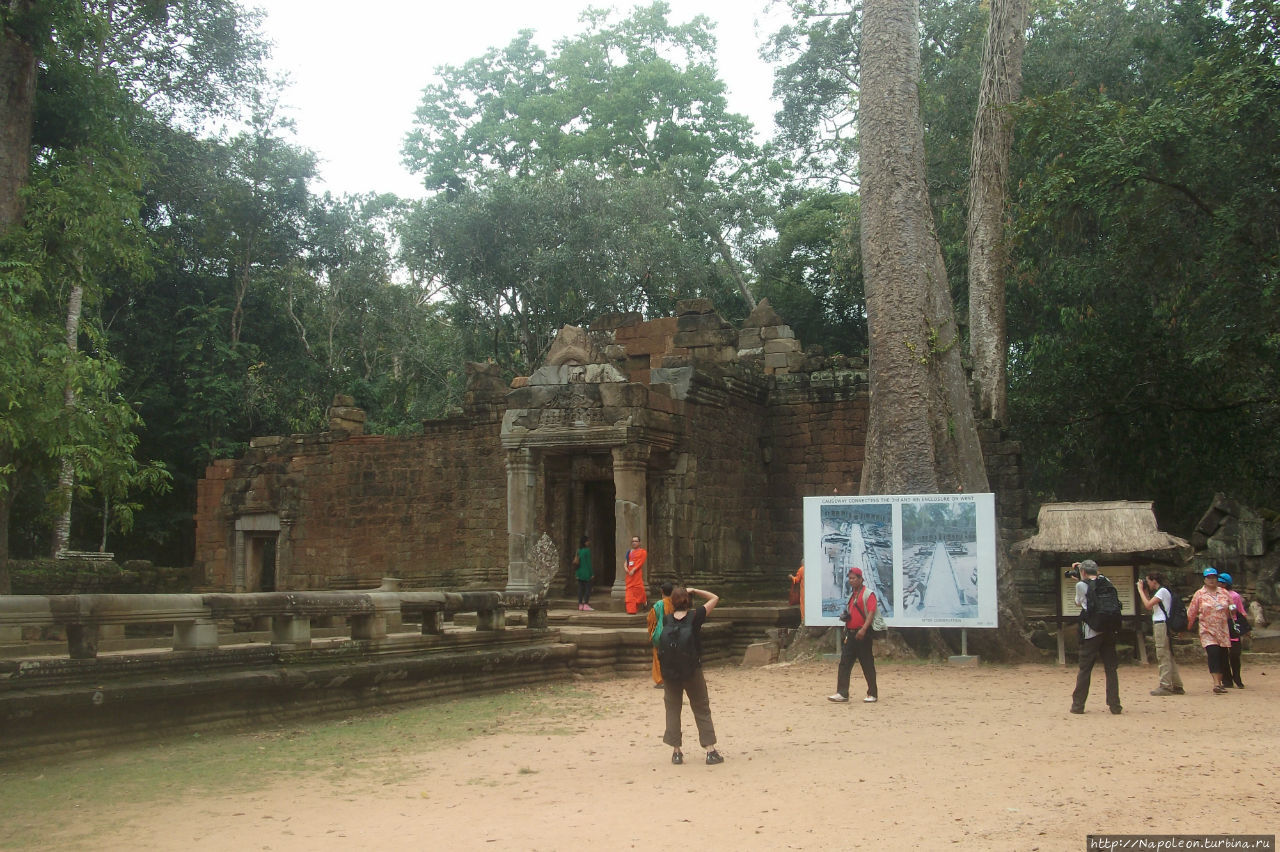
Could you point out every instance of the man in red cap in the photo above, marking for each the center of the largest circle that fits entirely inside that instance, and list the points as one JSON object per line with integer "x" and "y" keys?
{"x": 857, "y": 640}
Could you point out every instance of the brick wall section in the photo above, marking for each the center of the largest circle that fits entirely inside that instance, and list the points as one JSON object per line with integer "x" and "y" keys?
{"x": 647, "y": 344}
{"x": 817, "y": 429}
{"x": 429, "y": 509}
{"x": 720, "y": 504}
{"x": 212, "y": 541}
{"x": 725, "y": 506}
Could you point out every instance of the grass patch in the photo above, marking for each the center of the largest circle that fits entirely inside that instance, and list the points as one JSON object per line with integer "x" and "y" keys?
{"x": 45, "y": 797}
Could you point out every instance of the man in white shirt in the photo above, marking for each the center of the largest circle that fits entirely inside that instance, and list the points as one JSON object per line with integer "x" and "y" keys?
{"x": 1158, "y": 600}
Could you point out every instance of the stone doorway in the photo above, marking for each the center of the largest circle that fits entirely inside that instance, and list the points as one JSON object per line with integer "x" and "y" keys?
{"x": 256, "y": 541}
{"x": 260, "y": 571}
{"x": 598, "y": 523}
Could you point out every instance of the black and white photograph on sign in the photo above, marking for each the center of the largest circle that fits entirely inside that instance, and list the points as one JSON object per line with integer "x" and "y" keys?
{"x": 856, "y": 535}
{"x": 940, "y": 560}
{"x": 930, "y": 559}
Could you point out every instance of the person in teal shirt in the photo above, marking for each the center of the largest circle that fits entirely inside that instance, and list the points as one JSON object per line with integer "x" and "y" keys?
{"x": 584, "y": 574}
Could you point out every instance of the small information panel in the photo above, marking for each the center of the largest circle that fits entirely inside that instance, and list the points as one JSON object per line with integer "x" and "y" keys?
{"x": 1123, "y": 577}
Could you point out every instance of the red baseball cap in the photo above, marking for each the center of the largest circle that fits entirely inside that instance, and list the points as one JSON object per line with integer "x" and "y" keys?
{"x": 855, "y": 571}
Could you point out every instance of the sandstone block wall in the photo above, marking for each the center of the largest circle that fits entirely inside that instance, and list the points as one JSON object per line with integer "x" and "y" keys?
{"x": 719, "y": 497}
{"x": 429, "y": 509}
{"x": 817, "y": 431}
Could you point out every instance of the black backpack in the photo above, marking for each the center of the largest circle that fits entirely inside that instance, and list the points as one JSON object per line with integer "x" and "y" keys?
{"x": 678, "y": 648}
{"x": 1102, "y": 606}
{"x": 1175, "y": 620}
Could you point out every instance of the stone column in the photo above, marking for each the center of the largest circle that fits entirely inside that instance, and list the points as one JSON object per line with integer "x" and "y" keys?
{"x": 240, "y": 552}
{"x": 522, "y": 478}
{"x": 630, "y": 510}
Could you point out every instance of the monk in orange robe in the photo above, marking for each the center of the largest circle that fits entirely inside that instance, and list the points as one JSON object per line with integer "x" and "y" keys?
{"x": 797, "y": 580}
{"x": 635, "y": 594}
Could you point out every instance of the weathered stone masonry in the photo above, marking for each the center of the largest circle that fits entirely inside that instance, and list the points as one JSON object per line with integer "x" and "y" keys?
{"x": 697, "y": 436}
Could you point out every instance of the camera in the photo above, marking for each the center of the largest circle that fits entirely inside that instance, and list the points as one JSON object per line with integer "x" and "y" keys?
{"x": 1073, "y": 572}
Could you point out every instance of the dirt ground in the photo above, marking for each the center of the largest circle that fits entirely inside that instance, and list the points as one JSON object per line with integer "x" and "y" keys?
{"x": 950, "y": 758}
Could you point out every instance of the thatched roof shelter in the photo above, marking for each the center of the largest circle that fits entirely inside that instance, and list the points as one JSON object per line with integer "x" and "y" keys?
{"x": 1114, "y": 527}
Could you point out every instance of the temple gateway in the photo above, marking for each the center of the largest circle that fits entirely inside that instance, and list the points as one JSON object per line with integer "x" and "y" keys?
{"x": 699, "y": 437}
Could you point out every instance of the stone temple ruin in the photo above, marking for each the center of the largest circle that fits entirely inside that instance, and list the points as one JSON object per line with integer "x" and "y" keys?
{"x": 699, "y": 437}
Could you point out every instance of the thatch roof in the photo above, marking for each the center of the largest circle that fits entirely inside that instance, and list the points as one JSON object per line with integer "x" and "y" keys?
{"x": 1118, "y": 526}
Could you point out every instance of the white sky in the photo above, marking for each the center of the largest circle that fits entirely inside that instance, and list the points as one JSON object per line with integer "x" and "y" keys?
{"x": 358, "y": 69}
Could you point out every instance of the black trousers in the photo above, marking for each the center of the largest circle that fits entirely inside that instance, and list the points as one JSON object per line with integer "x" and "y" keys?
{"x": 584, "y": 591}
{"x": 860, "y": 650}
{"x": 1233, "y": 662}
{"x": 1101, "y": 647}
{"x": 1216, "y": 657}
{"x": 673, "y": 692}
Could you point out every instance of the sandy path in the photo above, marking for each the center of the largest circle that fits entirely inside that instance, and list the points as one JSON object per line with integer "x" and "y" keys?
{"x": 951, "y": 758}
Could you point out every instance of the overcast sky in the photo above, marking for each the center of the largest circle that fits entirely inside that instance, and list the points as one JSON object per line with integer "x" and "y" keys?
{"x": 358, "y": 69}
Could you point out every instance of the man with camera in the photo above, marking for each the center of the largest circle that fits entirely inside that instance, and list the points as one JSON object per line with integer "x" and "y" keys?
{"x": 1158, "y": 600}
{"x": 1097, "y": 633}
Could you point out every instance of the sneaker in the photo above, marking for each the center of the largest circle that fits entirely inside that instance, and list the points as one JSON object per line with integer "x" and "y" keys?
{"x": 1079, "y": 711}
{"x": 1117, "y": 710}
{"x": 838, "y": 698}
{"x": 677, "y": 758}
{"x": 1161, "y": 691}
{"x": 588, "y": 608}
{"x": 1177, "y": 690}
{"x": 1239, "y": 685}
{"x": 870, "y": 699}
{"x": 713, "y": 757}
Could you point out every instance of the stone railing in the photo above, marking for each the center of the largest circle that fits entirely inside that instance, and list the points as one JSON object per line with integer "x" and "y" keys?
{"x": 194, "y": 617}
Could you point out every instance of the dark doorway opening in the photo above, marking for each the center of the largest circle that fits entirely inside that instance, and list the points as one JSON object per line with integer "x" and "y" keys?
{"x": 600, "y": 526}
{"x": 261, "y": 568}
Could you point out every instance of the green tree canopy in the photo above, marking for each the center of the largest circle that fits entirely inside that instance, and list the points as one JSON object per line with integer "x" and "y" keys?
{"x": 607, "y": 174}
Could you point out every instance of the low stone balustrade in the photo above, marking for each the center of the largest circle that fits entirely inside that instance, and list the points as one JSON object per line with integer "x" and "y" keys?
{"x": 435, "y": 607}
{"x": 195, "y": 617}
{"x": 83, "y": 615}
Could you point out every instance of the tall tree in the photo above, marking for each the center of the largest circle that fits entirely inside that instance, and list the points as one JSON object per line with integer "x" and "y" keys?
{"x": 988, "y": 185}
{"x": 1143, "y": 317}
{"x": 106, "y": 69}
{"x": 629, "y": 100}
{"x": 921, "y": 433}
{"x": 19, "y": 33}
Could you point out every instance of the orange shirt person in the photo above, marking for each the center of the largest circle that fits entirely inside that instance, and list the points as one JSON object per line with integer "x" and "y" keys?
{"x": 797, "y": 580}
{"x": 635, "y": 594}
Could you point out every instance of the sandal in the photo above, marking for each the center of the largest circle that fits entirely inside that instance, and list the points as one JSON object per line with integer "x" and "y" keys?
{"x": 1220, "y": 690}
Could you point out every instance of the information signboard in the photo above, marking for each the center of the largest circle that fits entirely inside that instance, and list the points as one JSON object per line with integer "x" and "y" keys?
{"x": 930, "y": 559}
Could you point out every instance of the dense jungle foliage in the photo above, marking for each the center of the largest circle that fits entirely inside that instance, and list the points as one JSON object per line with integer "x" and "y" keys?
{"x": 169, "y": 290}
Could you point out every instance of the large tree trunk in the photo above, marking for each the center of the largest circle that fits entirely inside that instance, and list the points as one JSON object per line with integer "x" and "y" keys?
{"x": 922, "y": 437}
{"x": 988, "y": 180}
{"x": 17, "y": 101}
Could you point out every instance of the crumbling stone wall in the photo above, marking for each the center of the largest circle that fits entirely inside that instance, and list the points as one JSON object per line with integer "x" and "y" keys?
{"x": 719, "y": 493}
{"x": 817, "y": 428}
{"x": 758, "y": 422}
{"x": 1245, "y": 543}
{"x": 429, "y": 509}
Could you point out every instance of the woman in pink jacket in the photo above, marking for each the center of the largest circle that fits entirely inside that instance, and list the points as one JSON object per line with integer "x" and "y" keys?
{"x": 1211, "y": 607}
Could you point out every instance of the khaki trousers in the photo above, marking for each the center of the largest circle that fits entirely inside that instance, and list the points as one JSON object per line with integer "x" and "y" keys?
{"x": 1169, "y": 677}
